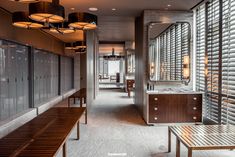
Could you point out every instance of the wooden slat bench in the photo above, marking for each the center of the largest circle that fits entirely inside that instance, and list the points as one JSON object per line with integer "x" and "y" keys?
{"x": 44, "y": 135}
{"x": 81, "y": 95}
{"x": 202, "y": 137}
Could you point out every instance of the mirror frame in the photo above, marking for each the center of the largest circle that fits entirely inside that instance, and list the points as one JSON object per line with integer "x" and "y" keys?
{"x": 186, "y": 81}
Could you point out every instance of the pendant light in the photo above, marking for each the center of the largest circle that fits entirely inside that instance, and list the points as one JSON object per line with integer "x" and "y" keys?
{"x": 21, "y": 19}
{"x": 76, "y": 45}
{"x": 62, "y": 28}
{"x": 113, "y": 57}
{"x": 81, "y": 20}
{"x": 25, "y": 1}
{"x": 47, "y": 12}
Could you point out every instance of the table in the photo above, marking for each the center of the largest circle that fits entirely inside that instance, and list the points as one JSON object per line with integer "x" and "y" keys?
{"x": 44, "y": 135}
{"x": 202, "y": 137}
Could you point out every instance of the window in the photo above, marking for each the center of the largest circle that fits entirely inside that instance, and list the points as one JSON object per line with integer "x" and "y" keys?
{"x": 216, "y": 41}
{"x": 228, "y": 63}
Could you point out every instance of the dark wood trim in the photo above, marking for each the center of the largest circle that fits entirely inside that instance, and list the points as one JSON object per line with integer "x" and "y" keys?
{"x": 112, "y": 42}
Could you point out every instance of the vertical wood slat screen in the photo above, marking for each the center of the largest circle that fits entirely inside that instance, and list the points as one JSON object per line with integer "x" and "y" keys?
{"x": 173, "y": 45}
{"x": 228, "y": 63}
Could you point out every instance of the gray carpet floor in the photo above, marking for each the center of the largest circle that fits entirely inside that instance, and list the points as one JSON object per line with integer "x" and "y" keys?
{"x": 116, "y": 129}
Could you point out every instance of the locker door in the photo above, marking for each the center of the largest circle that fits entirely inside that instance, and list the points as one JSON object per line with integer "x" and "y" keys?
{"x": 36, "y": 78}
{"x": 12, "y": 78}
{"x": 25, "y": 75}
{"x": 4, "y": 106}
{"x": 19, "y": 79}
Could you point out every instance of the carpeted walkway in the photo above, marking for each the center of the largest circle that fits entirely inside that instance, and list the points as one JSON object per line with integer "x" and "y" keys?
{"x": 115, "y": 128}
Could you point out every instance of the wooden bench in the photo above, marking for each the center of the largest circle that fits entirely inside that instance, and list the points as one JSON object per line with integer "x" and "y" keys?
{"x": 44, "y": 135}
{"x": 202, "y": 137}
{"x": 81, "y": 95}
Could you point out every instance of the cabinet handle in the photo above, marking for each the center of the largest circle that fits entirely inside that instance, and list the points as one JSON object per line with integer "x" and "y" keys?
{"x": 155, "y": 99}
{"x": 194, "y": 98}
{"x": 194, "y": 118}
{"x": 155, "y": 108}
{"x": 155, "y": 118}
{"x": 194, "y": 108}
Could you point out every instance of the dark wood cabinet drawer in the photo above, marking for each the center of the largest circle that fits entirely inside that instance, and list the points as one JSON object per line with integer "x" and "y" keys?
{"x": 175, "y": 108}
{"x": 194, "y": 99}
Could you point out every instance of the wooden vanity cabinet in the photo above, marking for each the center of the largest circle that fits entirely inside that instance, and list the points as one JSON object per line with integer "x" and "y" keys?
{"x": 174, "y": 108}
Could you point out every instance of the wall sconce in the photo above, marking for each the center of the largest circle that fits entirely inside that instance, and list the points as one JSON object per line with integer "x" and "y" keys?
{"x": 152, "y": 68}
{"x": 206, "y": 65}
{"x": 186, "y": 72}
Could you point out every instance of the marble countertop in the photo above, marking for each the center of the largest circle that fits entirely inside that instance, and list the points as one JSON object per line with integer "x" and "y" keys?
{"x": 173, "y": 91}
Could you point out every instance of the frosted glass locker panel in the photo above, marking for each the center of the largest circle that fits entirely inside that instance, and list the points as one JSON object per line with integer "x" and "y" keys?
{"x": 66, "y": 74}
{"x": 4, "y": 106}
{"x": 14, "y": 79}
{"x": 45, "y": 76}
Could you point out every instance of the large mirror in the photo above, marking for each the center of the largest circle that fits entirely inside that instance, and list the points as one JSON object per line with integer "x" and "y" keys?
{"x": 169, "y": 51}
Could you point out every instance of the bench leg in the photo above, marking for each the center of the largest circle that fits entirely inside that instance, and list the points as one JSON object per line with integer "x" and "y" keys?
{"x": 80, "y": 101}
{"x": 169, "y": 140}
{"x": 129, "y": 93}
{"x": 74, "y": 100}
{"x": 190, "y": 153}
{"x": 64, "y": 150}
{"x": 86, "y": 117}
{"x": 177, "y": 147}
{"x": 78, "y": 132}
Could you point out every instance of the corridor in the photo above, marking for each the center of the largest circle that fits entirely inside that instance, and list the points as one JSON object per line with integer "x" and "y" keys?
{"x": 115, "y": 128}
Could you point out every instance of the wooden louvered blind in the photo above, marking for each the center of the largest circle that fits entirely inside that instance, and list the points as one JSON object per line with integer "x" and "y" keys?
{"x": 228, "y": 63}
{"x": 212, "y": 41}
{"x": 219, "y": 87}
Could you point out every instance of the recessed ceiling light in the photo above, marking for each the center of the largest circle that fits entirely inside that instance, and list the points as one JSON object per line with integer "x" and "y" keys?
{"x": 169, "y": 5}
{"x": 113, "y": 9}
{"x": 93, "y": 9}
{"x": 72, "y": 8}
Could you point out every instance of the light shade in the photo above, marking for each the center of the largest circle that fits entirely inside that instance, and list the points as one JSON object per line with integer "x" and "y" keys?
{"x": 25, "y": 1}
{"x": 21, "y": 19}
{"x": 82, "y": 20}
{"x": 62, "y": 28}
{"x": 46, "y": 12}
{"x": 76, "y": 45}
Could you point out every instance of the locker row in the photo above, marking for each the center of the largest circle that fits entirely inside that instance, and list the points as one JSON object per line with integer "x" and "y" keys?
{"x": 14, "y": 77}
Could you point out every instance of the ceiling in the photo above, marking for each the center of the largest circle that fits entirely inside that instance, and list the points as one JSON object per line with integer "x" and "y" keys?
{"x": 106, "y": 49}
{"x": 156, "y": 29}
{"x": 115, "y": 25}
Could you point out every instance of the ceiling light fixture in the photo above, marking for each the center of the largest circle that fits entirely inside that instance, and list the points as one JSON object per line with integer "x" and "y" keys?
{"x": 112, "y": 57}
{"x": 21, "y": 19}
{"x": 113, "y": 9}
{"x": 47, "y": 12}
{"x": 25, "y": 1}
{"x": 81, "y": 20}
{"x": 93, "y": 9}
{"x": 76, "y": 45}
{"x": 169, "y": 5}
{"x": 62, "y": 28}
